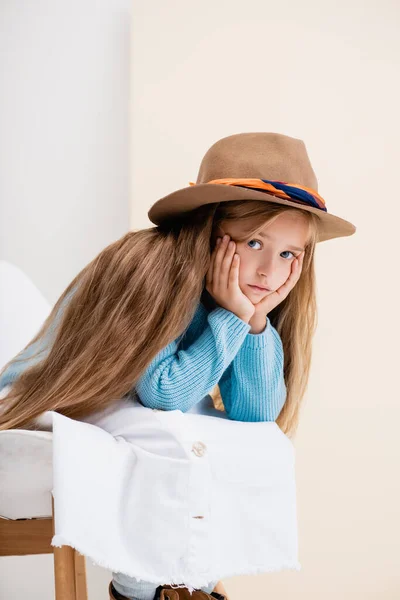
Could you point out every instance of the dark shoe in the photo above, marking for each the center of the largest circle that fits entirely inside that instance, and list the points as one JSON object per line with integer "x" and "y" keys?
{"x": 166, "y": 592}
{"x": 114, "y": 594}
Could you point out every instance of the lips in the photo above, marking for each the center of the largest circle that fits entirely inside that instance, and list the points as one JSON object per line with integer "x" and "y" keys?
{"x": 262, "y": 289}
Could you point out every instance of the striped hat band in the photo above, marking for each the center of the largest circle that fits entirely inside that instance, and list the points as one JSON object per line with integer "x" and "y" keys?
{"x": 281, "y": 189}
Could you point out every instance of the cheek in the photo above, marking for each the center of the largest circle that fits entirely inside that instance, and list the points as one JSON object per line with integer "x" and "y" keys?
{"x": 284, "y": 272}
{"x": 246, "y": 272}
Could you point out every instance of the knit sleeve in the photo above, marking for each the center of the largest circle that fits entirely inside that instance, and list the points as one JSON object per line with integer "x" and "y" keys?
{"x": 253, "y": 386}
{"x": 33, "y": 354}
{"x": 177, "y": 379}
{"x": 35, "y": 351}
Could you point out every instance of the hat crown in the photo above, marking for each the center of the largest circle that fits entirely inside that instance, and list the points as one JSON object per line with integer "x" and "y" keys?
{"x": 266, "y": 167}
{"x": 259, "y": 155}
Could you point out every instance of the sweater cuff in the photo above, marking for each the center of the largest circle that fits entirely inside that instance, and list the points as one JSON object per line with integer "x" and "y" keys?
{"x": 235, "y": 325}
{"x": 259, "y": 340}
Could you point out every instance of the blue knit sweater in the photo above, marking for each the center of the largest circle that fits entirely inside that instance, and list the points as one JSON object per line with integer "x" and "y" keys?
{"x": 217, "y": 347}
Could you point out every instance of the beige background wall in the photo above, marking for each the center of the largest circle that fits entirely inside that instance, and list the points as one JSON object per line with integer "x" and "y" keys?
{"x": 326, "y": 73}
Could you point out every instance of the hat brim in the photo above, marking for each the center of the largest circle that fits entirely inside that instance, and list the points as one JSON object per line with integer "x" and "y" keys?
{"x": 190, "y": 198}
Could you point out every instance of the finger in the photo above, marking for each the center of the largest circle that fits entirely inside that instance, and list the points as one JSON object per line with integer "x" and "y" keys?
{"x": 299, "y": 264}
{"x": 218, "y": 279}
{"x": 291, "y": 281}
{"x": 233, "y": 279}
{"x": 295, "y": 267}
{"x": 300, "y": 258}
{"x": 226, "y": 264}
{"x": 219, "y": 253}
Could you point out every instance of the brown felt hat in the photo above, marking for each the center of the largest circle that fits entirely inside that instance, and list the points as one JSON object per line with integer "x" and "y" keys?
{"x": 270, "y": 167}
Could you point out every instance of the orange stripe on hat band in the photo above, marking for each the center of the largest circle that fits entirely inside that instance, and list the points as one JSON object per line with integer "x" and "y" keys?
{"x": 269, "y": 187}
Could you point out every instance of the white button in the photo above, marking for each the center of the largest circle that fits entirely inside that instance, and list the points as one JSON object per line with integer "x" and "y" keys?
{"x": 199, "y": 448}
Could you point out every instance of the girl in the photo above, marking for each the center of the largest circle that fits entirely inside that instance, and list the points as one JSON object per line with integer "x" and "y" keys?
{"x": 221, "y": 293}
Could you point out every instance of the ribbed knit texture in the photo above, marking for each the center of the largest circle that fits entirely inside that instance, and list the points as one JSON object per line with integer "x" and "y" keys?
{"x": 217, "y": 347}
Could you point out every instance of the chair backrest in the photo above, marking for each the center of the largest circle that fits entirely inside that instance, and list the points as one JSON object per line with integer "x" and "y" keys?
{"x": 23, "y": 309}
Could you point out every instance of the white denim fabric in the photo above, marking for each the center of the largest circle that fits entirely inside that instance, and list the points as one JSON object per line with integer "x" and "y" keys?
{"x": 166, "y": 496}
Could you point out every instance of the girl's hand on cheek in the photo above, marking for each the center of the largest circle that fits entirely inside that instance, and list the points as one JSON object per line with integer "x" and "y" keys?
{"x": 222, "y": 281}
{"x": 268, "y": 303}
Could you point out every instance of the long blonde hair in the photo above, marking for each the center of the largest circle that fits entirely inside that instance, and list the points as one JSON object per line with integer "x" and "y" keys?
{"x": 138, "y": 295}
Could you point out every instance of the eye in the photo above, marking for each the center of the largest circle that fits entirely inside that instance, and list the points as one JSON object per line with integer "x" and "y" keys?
{"x": 257, "y": 241}
{"x": 285, "y": 251}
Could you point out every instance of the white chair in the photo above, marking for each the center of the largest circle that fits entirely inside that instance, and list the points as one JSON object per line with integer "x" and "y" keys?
{"x": 26, "y": 503}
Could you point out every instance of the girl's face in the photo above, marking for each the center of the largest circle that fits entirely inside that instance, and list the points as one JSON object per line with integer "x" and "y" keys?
{"x": 266, "y": 258}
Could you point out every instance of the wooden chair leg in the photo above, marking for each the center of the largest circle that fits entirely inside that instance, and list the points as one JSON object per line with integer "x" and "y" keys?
{"x": 64, "y": 573}
{"x": 80, "y": 577}
{"x": 69, "y": 572}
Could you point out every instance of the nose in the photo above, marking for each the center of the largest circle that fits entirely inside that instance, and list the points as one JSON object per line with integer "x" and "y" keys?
{"x": 266, "y": 268}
